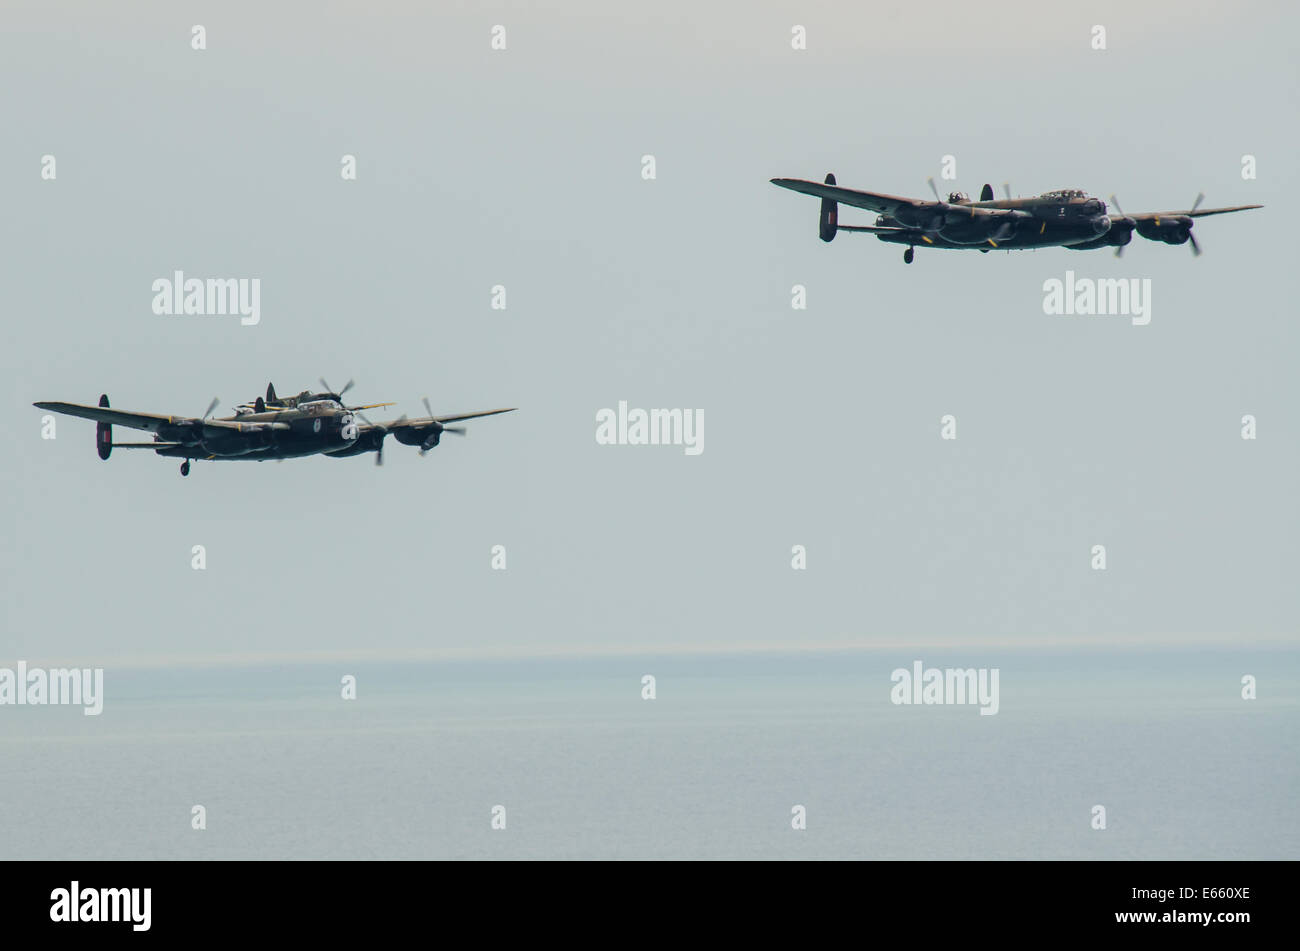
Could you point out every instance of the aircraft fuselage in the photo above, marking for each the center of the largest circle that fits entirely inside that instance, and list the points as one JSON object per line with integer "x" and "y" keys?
{"x": 312, "y": 429}
{"x": 1046, "y": 222}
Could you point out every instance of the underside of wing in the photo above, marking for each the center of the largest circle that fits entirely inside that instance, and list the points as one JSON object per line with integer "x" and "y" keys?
{"x": 150, "y": 422}
{"x": 482, "y": 412}
{"x": 1202, "y": 213}
{"x": 871, "y": 229}
{"x": 238, "y": 427}
{"x": 422, "y": 422}
{"x": 872, "y": 201}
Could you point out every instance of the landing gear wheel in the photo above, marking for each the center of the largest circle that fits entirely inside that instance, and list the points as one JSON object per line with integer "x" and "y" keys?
{"x": 908, "y": 255}
{"x": 185, "y": 468}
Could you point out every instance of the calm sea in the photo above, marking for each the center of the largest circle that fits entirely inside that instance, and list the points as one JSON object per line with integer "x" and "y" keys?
{"x": 711, "y": 768}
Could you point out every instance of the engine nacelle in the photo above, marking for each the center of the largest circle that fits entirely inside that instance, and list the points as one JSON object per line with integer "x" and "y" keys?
{"x": 370, "y": 441}
{"x": 1175, "y": 229}
{"x": 1121, "y": 232}
{"x": 958, "y": 226}
{"x": 219, "y": 441}
{"x": 410, "y": 436}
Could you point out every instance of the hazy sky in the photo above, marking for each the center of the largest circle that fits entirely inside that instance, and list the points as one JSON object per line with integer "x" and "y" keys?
{"x": 523, "y": 168}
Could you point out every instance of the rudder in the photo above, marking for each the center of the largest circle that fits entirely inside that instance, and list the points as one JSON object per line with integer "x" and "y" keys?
{"x": 104, "y": 433}
{"x": 830, "y": 215}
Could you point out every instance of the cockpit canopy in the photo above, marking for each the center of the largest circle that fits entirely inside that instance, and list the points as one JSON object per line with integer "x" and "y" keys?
{"x": 1065, "y": 193}
{"x": 308, "y": 402}
{"x": 314, "y": 406}
{"x": 955, "y": 197}
{"x": 306, "y": 397}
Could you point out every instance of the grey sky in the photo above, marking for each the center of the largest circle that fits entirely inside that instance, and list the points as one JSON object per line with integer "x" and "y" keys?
{"x": 522, "y": 168}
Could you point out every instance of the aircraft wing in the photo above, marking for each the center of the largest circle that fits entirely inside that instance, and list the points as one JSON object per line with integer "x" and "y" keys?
{"x": 871, "y": 229}
{"x": 482, "y": 412}
{"x": 888, "y": 204}
{"x": 872, "y": 201}
{"x": 153, "y": 422}
{"x": 238, "y": 427}
{"x": 423, "y": 422}
{"x": 102, "y": 414}
{"x": 1154, "y": 215}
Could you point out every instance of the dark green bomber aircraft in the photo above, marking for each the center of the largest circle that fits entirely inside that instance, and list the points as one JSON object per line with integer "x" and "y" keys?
{"x": 1066, "y": 218}
{"x": 270, "y": 428}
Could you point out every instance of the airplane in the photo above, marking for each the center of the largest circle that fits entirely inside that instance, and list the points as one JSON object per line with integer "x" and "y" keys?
{"x": 1067, "y": 218}
{"x": 270, "y": 428}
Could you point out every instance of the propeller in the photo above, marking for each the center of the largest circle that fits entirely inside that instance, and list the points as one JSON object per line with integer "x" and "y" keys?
{"x": 383, "y": 431}
{"x": 1119, "y": 249}
{"x": 1006, "y": 190}
{"x": 329, "y": 391}
{"x": 439, "y": 429}
{"x": 935, "y": 223}
{"x": 1196, "y": 248}
{"x": 379, "y": 452}
{"x": 1191, "y": 238}
{"x": 204, "y": 418}
{"x": 458, "y": 430}
{"x": 339, "y": 393}
{"x": 945, "y": 206}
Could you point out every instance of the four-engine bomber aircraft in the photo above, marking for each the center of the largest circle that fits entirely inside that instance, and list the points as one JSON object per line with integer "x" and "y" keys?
{"x": 1066, "y": 218}
{"x": 270, "y": 428}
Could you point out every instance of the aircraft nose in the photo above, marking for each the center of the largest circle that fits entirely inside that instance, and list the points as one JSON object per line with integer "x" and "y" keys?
{"x": 1101, "y": 224}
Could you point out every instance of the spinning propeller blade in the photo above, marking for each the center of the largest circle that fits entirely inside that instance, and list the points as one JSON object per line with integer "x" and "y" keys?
{"x": 329, "y": 389}
{"x": 1119, "y": 250}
